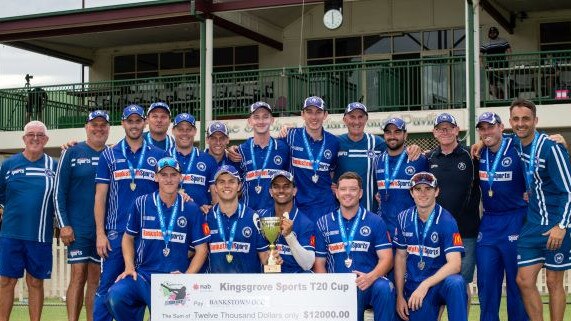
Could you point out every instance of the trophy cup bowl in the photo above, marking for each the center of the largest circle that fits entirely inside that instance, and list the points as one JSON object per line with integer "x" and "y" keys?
{"x": 271, "y": 230}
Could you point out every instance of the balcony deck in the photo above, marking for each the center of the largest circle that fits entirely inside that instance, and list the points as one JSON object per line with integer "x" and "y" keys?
{"x": 388, "y": 85}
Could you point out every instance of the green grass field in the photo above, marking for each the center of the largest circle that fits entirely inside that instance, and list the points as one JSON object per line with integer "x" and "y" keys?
{"x": 54, "y": 310}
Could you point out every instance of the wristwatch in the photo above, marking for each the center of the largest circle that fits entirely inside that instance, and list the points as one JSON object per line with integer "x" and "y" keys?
{"x": 562, "y": 226}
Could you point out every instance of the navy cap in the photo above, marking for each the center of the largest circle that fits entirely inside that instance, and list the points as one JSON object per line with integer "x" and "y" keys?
{"x": 314, "y": 101}
{"x": 184, "y": 117}
{"x": 227, "y": 169}
{"x": 445, "y": 118}
{"x": 133, "y": 110}
{"x": 159, "y": 104}
{"x": 167, "y": 162}
{"x": 98, "y": 114}
{"x": 356, "y": 106}
{"x": 490, "y": 118}
{"x": 280, "y": 173}
{"x": 260, "y": 104}
{"x": 217, "y": 127}
{"x": 423, "y": 178}
{"x": 398, "y": 122}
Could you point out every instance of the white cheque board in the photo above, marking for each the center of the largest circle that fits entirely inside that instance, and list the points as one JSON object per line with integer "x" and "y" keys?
{"x": 267, "y": 297}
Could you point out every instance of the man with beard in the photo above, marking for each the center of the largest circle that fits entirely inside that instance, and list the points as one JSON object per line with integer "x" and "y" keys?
{"x": 124, "y": 172}
{"x": 158, "y": 117}
{"x": 76, "y": 172}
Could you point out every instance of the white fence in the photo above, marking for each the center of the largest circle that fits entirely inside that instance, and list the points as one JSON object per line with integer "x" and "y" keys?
{"x": 56, "y": 287}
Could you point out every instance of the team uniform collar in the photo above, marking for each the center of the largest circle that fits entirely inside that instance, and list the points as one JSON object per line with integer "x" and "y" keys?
{"x": 240, "y": 210}
{"x": 361, "y": 209}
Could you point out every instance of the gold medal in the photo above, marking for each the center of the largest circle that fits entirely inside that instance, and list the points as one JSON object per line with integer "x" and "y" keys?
{"x": 133, "y": 186}
{"x": 229, "y": 258}
{"x": 348, "y": 262}
{"x": 420, "y": 265}
{"x": 490, "y": 193}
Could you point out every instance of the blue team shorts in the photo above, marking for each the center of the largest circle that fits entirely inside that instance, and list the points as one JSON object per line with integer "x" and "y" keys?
{"x": 83, "y": 250}
{"x": 19, "y": 255}
{"x": 469, "y": 259}
{"x": 531, "y": 249}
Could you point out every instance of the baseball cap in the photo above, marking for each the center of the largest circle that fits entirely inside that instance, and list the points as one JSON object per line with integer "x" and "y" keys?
{"x": 96, "y": 114}
{"x": 167, "y": 162}
{"x": 445, "y": 118}
{"x": 217, "y": 127}
{"x": 423, "y": 178}
{"x": 159, "y": 104}
{"x": 184, "y": 117}
{"x": 355, "y": 106}
{"x": 398, "y": 122}
{"x": 490, "y": 118}
{"x": 260, "y": 104}
{"x": 314, "y": 101}
{"x": 133, "y": 110}
{"x": 493, "y": 29}
{"x": 287, "y": 175}
{"x": 227, "y": 169}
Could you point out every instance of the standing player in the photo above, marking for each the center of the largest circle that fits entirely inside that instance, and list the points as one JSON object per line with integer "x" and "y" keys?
{"x": 158, "y": 117}
{"x": 394, "y": 172}
{"x": 76, "y": 172}
{"x": 179, "y": 226}
{"x": 544, "y": 240}
{"x": 354, "y": 240}
{"x": 296, "y": 245}
{"x": 26, "y": 187}
{"x": 124, "y": 172}
{"x": 429, "y": 253}
{"x": 358, "y": 151}
{"x": 503, "y": 187}
{"x": 313, "y": 159}
{"x": 198, "y": 168}
{"x": 262, "y": 155}
{"x": 236, "y": 244}
{"x": 218, "y": 137}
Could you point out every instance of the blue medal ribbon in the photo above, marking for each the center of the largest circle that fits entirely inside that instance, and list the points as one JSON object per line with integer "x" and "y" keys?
{"x": 347, "y": 242}
{"x": 167, "y": 232}
{"x": 167, "y": 142}
{"x": 191, "y": 162}
{"x": 139, "y": 162}
{"x": 389, "y": 178}
{"x": 265, "y": 164}
{"x": 427, "y": 227}
{"x": 221, "y": 231}
{"x": 314, "y": 161}
{"x": 530, "y": 168}
{"x": 492, "y": 173}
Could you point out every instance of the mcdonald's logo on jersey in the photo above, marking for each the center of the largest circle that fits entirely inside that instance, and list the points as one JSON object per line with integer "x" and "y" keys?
{"x": 205, "y": 229}
{"x": 457, "y": 239}
{"x": 312, "y": 240}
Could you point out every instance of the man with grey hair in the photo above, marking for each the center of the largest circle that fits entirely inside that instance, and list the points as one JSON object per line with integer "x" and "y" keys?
{"x": 26, "y": 186}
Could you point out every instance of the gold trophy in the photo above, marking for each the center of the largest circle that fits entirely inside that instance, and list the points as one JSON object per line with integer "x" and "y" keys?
{"x": 271, "y": 230}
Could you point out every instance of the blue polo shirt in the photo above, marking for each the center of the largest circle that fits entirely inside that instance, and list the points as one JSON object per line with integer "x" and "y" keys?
{"x": 197, "y": 179}
{"x": 359, "y": 157}
{"x": 224, "y": 161}
{"x": 314, "y": 199}
{"x": 248, "y": 241}
{"x": 26, "y": 192}
{"x": 168, "y": 144}
{"x": 371, "y": 236}
{"x": 304, "y": 230}
{"x": 114, "y": 171}
{"x": 441, "y": 238}
{"x": 278, "y": 159}
{"x": 145, "y": 226}
{"x": 76, "y": 172}
{"x": 397, "y": 197}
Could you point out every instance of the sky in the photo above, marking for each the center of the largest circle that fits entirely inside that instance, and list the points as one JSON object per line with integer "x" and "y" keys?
{"x": 16, "y": 63}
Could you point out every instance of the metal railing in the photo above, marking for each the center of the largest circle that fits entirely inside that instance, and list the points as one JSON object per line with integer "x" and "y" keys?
{"x": 387, "y": 85}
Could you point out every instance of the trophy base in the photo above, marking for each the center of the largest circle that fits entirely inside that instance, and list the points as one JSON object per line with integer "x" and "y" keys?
{"x": 272, "y": 268}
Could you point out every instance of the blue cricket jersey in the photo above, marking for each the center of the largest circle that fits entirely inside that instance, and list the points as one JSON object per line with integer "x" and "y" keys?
{"x": 397, "y": 197}
{"x": 26, "y": 192}
{"x": 304, "y": 230}
{"x": 224, "y": 161}
{"x": 196, "y": 180}
{"x": 114, "y": 171}
{"x": 277, "y": 159}
{"x": 442, "y": 237}
{"x": 145, "y": 226}
{"x": 76, "y": 172}
{"x": 168, "y": 144}
{"x": 550, "y": 186}
{"x": 359, "y": 157}
{"x": 313, "y": 196}
{"x": 371, "y": 236}
{"x": 247, "y": 242}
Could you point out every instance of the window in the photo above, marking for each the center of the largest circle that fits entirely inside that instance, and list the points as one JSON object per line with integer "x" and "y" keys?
{"x": 171, "y": 60}
{"x": 555, "y": 36}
